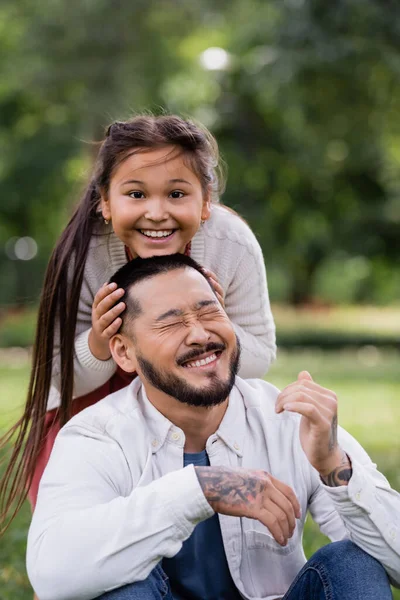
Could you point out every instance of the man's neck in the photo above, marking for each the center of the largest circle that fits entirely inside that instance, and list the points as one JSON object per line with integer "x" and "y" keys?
{"x": 196, "y": 422}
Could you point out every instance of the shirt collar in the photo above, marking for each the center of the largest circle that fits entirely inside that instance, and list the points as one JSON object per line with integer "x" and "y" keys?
{"x": 231, "y": 430}
{"x": 159, "y": 427}
{"x": 232, "y": 427}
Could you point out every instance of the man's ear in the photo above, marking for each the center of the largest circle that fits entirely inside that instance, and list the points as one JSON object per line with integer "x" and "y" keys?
{"x": 123, "y": 353}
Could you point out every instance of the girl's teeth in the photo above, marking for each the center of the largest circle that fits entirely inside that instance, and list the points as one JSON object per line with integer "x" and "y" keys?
{"x": 155, "y": 234}
{"x": 203, "y": 361}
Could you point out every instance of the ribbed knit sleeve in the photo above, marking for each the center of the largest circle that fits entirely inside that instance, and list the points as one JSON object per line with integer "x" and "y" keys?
{"x": 226, "y": 245}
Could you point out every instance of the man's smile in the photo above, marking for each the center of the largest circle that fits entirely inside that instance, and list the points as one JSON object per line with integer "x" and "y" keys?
{"x": 203, "y": 358}
{"x": 208, "y": 360}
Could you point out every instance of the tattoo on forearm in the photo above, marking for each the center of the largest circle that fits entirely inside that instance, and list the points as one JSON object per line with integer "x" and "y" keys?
{"x": 220, "y": 484}
{"x": 333, "y": 438}
{"x": 341, "y": 475}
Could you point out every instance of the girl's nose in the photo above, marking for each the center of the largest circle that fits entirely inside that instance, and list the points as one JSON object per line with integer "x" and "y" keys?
{"x": 156, "y": 210}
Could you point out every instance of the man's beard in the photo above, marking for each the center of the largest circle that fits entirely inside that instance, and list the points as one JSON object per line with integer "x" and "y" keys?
{"x": 215, "y": 393}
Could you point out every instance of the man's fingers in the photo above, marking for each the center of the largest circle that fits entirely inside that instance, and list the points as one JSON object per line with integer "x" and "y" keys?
{"x": 319, "y": 396}
{"x": 304, "y": 375}
{"x": 279, "y": 510}
{"x": 287, "y": 491}
{"x": 277, "y": 522}
{"x": 307, "y": 384}
{"x": 285, "y": 512}
{"x": 310, "y": 411}
{"x": 324, "y": 405}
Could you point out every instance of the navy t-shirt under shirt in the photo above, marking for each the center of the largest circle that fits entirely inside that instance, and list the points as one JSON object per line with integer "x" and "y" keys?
{"x": 200, "y": 571}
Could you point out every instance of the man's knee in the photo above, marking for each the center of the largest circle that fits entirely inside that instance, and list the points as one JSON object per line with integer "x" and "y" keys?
{"x": 154, "y": 587}
{"x": 345, "y": 555}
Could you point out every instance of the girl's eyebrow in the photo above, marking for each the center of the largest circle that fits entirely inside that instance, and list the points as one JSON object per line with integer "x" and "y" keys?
{"x": 179, "y": 181}
{"x": 132, "y": 181}
{"x": 143, "y": 183}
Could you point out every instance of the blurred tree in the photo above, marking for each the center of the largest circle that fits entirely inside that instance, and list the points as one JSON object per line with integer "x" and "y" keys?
{"x": 305, "y": 107}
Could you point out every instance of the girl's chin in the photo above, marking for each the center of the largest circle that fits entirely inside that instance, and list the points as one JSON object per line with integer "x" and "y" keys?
{"x": 147, "y": 252}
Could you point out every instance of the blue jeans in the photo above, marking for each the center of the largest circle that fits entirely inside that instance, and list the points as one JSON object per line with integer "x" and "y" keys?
{"x": 338, "y": 571}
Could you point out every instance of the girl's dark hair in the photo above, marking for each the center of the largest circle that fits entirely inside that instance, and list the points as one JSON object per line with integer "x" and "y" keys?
{"x": 59, "y": 299}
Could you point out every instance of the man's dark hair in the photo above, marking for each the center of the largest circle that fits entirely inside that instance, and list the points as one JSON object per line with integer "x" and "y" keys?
{"x": 139, "y": 269}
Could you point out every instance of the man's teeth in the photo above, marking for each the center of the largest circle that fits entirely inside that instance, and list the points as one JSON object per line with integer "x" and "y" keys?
{"x": 202, "y": 362}
{"x": 156, "y": 234}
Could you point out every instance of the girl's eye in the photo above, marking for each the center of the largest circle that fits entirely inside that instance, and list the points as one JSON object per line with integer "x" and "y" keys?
{"x": 136, "y": 194}
{"x": 176, "y": 194}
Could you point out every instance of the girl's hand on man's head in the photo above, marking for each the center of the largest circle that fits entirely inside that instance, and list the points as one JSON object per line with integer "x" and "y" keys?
{"x": 216, "y": 285}
{"x": 106, "y": 320}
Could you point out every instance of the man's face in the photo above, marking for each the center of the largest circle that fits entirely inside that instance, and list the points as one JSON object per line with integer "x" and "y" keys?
{"x": 184, "y": 343}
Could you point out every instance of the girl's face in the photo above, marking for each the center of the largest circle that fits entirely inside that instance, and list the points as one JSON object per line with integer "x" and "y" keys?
{"x": 155, "y": 203}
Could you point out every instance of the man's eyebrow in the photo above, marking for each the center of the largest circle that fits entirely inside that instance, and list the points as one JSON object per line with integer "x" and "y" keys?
{"x": 174, "y": 312}
{"x": 205, "y": 303}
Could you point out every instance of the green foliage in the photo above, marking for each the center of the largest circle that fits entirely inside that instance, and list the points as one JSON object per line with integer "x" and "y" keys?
{"x": 306, "y": 112}
{"x": 18, "y": 329}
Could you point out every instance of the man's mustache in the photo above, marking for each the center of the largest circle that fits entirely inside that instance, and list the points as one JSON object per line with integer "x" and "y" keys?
{"x": 196, "y": 352}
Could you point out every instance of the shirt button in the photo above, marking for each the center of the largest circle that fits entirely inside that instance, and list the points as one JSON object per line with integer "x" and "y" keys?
{"x": 358, "y": 496}
{"x": 236, "y": 446}
{"x": 154, "y": 443}
{"x": 392, "y": 534}
{"x": 176, "y": 436}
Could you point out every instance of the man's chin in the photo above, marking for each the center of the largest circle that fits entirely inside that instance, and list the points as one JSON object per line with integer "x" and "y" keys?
{"x": 199, "y": 378}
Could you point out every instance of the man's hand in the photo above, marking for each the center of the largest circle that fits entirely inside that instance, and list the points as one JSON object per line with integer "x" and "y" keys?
{"x": 253, "y": 494}
{"x": 318, "y": 427}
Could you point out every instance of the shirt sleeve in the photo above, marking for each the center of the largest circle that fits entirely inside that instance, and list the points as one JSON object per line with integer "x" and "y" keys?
{"x": 94, "y": 529}
{"x": 367, "y": 510}
{"x": 247, "y": 305}
{"x": 89, "y": 372}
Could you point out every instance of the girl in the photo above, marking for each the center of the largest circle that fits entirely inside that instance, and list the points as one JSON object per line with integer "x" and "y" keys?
{"x": 155, "y": 190}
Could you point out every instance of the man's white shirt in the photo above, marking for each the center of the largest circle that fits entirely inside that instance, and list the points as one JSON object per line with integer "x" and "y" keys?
{"x": 115, "y": 498}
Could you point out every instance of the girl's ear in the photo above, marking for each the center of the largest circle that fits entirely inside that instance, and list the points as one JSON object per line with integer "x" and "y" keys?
{"x": 123, "y": 353}
{"x": 105, "y": 208}
{"x": 206, "y": 210}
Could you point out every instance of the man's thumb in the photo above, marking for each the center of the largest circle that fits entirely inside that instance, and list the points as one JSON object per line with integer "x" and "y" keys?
{"x": 304, "y": 375}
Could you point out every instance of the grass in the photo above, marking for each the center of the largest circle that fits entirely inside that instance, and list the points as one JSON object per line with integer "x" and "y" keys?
{"x": 366, "y": 381}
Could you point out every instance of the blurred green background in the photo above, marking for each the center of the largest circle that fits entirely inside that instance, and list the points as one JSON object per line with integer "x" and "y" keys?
{"x": 304, "y": 99}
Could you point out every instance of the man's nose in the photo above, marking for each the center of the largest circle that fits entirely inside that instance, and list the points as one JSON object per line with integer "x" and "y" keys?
{"x": 197, "y": 334}
{"x": 156, "y": 210}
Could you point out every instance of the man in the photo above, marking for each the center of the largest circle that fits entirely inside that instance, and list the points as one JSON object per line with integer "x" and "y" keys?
{"x": 195, "y": 475}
